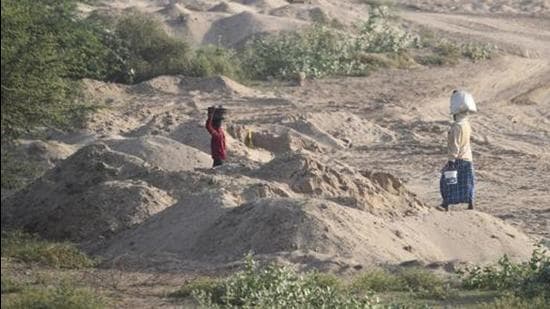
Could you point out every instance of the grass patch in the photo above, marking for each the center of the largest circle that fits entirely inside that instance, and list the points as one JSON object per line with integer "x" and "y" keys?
{"x": 62, "y": 297}
{"x": 212, "y": 286}
{"x": 528, "y": 280}
{"x": 9, "y": 285}
{"x": 378, "y": 280}
{"x": 511, "y": 301}
{"x": 28, "y": 248}
{"x": 445, "y": 52}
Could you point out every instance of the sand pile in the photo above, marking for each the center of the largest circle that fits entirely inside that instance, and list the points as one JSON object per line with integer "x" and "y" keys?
{"x": 46, "y": 154}
{"x": 218, "y": 84}
{"x": 296, "y": 207}
{"x": 91, "y": 194}
{"x": 313, "y": 229}
{"x": 230, "y": 7}
{"x": 263, "y": 5}
{"x": 307, "y": 174}
{"x": 235, "y": 29}
{"x": 163, "y": 152}
{"x": 281, "y": 139}
{"x": 350, "y": 129}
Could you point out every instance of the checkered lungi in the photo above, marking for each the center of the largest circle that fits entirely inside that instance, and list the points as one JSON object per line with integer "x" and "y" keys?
{"x": 464, "y": 190}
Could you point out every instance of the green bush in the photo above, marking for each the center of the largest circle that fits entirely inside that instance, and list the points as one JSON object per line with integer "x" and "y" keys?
{"x": 62, "y": 297}
{"x": 44, "y": 48}
{"x": 378, "y": 280}
{"x": 510, "y": 301}
{"x": 320, "y": 51}
{"x": 9, "y": 286}
{"x": 151, "y": 51}
{"x": 213, "y": 60}
{"x": 213, "y": 287}
{"x": 275, "y": 287}
{"x": 477, "y": 51}
{"x": 31, "y": 249}
{"x": 529, "y": 279}
{"x": 421, "y": 282}
{"x": 445, "y": 52}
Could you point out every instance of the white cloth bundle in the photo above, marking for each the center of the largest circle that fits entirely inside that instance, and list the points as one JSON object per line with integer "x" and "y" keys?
{"x": 461, "y": 102}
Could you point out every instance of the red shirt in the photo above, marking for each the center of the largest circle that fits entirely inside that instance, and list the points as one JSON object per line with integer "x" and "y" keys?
{"x": 217, "y": 143}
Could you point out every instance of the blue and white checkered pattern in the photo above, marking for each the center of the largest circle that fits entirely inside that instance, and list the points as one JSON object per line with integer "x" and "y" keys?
{"x": 464, "y": 190}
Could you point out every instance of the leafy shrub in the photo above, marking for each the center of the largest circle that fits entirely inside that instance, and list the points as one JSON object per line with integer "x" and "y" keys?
{"x": 9, "y": 286}
{"x": 418, "y": 280}
{"x": 151, "y": 51}
{"x": 529, "y": 279}
{"x": 511, "y": 301}
{"x": 415, "y": 280}
{"x": 445, "y": 52}
{"x": 44, "y": 48}
{"x": 276, "y": 287}
{"x": 62, "y": 297}
{"x": 320, "y": 51}
{"x": 213, "y": 287}
{"x": 378, "y": 280}
{"x": 31, "y": 249}
{"x": 477, "y": 51}
{"x": 213, "y": 60}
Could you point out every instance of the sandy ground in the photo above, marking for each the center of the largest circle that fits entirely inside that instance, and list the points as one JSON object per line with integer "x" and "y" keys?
{"x": 343, "y": 172}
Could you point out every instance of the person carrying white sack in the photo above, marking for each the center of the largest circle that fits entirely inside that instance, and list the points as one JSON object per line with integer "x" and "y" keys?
{"x": 457, "y": 183}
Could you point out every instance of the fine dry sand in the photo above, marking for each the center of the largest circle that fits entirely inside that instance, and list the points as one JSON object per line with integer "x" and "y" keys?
{"x": 343, "y": 172}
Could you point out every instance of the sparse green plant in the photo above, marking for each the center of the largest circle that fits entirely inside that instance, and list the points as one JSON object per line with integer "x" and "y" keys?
{"x": 28, "y": 248}
{"x": 320, "y": 50}
{"x": 213, "y": 60}
{"x": 420, "y": 280}
{"x": 65, "y": 296}
{"x": 378, "y": 280}
{"x": 529, "y": 279}
{"x": 478, "y": 51}
{"x": 276, "y": 287}
{"x": 209, "y": 285}
{"x": 151, "y": 51}
{"x": 511, "y": 301}
{"x": 9, "y": 285}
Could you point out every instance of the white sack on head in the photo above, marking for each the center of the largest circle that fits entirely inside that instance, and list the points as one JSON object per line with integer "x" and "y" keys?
{"x": 462, "y": 101}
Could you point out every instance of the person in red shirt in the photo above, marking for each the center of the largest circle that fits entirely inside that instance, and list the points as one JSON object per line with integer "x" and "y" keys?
{"x": 217, "y": 142}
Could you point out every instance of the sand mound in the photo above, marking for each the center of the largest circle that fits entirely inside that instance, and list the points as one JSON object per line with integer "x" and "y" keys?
{"x": 263, "y": 5}
{"x": 174, "y": 10}
{"x": 44, "y": 153}
{"x": 91, "y": 194}
{"x": 350, "y": 129}
{"x": 235, "y": 29}
{"x": 230, "y": 7}
{"x": 315, "y": 228}
{"x": 183, "y": 85}
{"x": 116, "y": 205}
{"x": 219, "y": 84}
{"x": 281, "y": 139}
{"x": 306, "y": 174}
{"x": 163, "y": 152}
